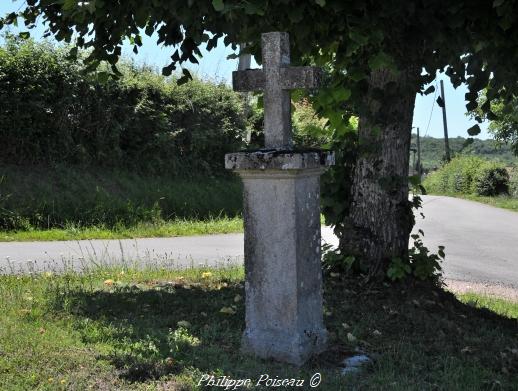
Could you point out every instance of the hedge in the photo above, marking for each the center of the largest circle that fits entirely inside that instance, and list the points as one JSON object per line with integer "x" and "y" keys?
{"x": 469, "y": 175}
{"x": 53, "y": 112}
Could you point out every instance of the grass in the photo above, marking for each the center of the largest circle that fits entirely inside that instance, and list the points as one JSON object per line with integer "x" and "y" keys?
{"x": 504, "y": 202}
{"x": 71, "y": 203}
{"x": 179, "y": 227}
{"x": 495, "y": 304}
{"x": 154, "y": 329}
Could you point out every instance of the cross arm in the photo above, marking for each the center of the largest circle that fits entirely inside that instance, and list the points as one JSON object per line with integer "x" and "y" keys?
{"x": 300, "y": 77}
{"x": 249, "y": 80}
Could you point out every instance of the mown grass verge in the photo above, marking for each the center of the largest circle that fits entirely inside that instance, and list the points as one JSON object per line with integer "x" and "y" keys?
{"x": 221, "y": 225}
{"x": 497, "y": 305}
{"x": 154, "y": 329}
{"x": 502, "y": 201}
{"x": 72, "y": 203}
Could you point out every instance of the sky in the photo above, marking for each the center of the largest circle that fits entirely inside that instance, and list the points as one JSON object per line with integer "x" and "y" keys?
{"x": 215, "y": 66}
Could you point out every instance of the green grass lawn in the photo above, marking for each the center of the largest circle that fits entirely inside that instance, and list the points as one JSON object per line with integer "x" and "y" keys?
{"x": 179, "y": 227}
{"x": 156, "y": 329}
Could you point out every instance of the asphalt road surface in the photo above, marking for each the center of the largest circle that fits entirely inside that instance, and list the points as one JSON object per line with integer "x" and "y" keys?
{"x": 481, "y": 241}
{"x": 481, "y": 246}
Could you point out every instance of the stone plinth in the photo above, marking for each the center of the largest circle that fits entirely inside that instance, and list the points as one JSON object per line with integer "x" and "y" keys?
{"x": 284, "y": 315}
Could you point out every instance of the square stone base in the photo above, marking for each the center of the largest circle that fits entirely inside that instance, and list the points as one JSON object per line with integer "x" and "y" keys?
{"x": 294, "y": 349}
{"x": 283, "y": 285}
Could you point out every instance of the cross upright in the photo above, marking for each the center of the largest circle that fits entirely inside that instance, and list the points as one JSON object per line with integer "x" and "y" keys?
{"x": 276, "y": 79}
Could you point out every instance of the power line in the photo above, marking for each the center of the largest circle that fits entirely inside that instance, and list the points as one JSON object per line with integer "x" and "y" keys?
{"x": 431, "y": 111}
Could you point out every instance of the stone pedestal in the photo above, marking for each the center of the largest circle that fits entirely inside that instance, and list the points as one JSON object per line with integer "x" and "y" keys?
{"x": 284, "y": 315}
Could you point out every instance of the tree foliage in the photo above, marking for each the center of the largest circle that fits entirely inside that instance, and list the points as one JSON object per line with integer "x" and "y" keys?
{"x": 471, "y": 41}
{"x": 504, "y": 121}
{"x": 433, "y": 156}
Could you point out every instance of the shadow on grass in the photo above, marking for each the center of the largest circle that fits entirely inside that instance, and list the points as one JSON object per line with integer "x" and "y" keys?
{"x": 418, "y": 338}
{"x": 154, "y": 331}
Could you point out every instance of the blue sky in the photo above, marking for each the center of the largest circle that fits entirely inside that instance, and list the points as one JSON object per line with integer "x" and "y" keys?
{"x": 214, "y": 65}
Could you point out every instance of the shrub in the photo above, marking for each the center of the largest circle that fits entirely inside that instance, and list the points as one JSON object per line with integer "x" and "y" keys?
{"x": 53, "y": 112}
{"x": 492, "y": 180}
{"x": 469, "y": 175}
{"x": 308, "y": 129}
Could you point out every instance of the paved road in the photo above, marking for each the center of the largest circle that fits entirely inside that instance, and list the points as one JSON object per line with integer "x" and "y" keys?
{"x": 481, "y": 241}
{"x": 210, "y": 250}
{"x": 481, "y": 246}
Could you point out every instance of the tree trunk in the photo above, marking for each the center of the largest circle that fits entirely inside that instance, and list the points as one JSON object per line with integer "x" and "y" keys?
{"x": 380, "y": 220}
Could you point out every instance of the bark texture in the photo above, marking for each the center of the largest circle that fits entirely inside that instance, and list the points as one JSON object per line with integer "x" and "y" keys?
{"x": 380, "y": 220}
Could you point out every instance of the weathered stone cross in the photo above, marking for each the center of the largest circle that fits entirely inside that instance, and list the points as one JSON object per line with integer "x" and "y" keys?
{"x": 276, "y": 79}
{"x": 281, "y": 210}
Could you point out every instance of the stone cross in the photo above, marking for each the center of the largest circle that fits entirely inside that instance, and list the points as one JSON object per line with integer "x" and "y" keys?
{"x": 281, "y": 210}
{"x": 276, "y": 79}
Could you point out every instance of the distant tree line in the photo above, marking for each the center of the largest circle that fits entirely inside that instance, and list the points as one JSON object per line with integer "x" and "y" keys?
{"x": 433, "y": 154}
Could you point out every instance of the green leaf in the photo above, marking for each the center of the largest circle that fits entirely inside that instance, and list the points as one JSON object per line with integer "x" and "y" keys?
{"x": 218, "y": 5}
{"x": 69, "y": 5}
{"x": 429, "y": 90}
{"x": 25, "y": 35}
{"x": 185, "y": 78}
{"x": 341, "y": 94}
{"x": 491, "y": 116}
{"x": 414, "y": 180}
{"x": 474, "y": 130}
{"x": 506, "y": 23}
{"x": 103, "y": 77}
{"x": 296, "y": 15}
{"x": 168, "y": 70}
{"x": 321, "y": 3}
{"x": 358, "y": 37}
{"x": 380, "y": 60}
{"x": 470, "y": 106}
{"x": 253, "y": 9}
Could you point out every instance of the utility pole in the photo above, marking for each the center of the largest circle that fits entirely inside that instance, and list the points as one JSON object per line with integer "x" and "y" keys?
{"x": 245, "y": 61}
{"x": 445, "y": 123}
{"x": 413, "y": 150}
{"x": 418, "y": 154}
